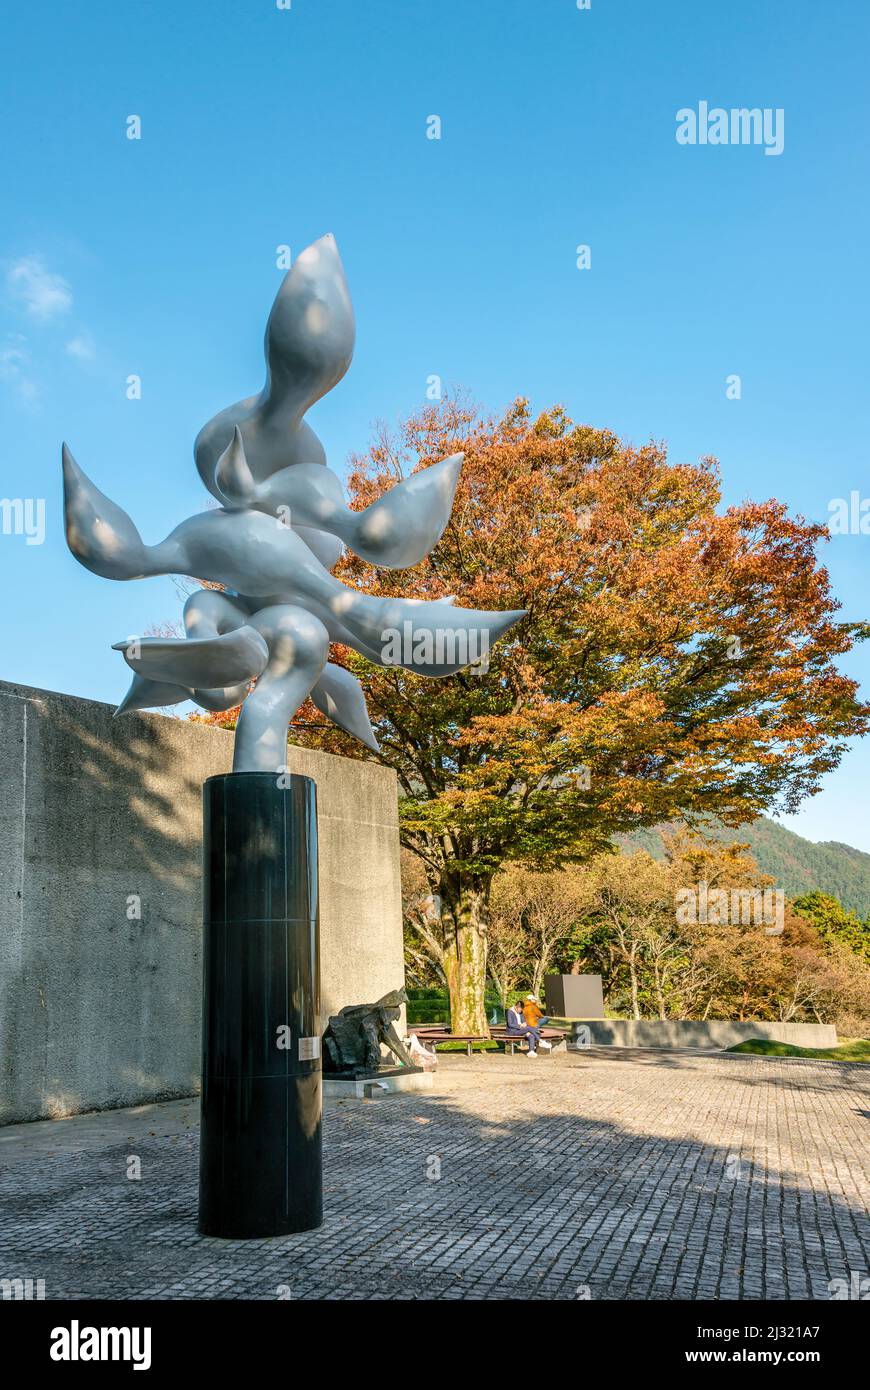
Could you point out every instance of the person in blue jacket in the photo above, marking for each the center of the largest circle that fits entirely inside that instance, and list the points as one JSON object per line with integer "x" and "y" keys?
{"x": 517, "y": 1027}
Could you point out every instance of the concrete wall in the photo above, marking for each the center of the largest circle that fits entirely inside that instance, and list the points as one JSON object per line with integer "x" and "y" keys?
{"x": 97, "y": 1010}
{"x": 621, "y": 1032}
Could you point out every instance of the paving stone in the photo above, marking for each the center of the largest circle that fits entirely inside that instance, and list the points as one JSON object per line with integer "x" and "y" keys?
{"x": 616, "y": 1175}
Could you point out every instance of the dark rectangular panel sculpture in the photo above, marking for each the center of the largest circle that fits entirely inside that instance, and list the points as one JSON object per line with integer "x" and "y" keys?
{"x": 574, "y": 996}
{"x": 260, "y": 1143}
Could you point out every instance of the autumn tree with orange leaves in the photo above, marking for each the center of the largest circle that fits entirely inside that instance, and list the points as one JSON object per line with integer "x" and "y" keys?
{"x": 676, "y": 660}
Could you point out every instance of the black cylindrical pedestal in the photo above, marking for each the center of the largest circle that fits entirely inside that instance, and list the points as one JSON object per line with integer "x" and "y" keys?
{"x": 260, "y": 1153}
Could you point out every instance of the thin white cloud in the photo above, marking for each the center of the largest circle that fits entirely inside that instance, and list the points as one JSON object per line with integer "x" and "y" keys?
{"x": 15, "y": 374}
{"x": 82, "y": 347}
{"x": 43, "y": 294}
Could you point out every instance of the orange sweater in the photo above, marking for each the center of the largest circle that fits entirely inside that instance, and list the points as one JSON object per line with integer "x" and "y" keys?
{"x": 531, "y": 1012}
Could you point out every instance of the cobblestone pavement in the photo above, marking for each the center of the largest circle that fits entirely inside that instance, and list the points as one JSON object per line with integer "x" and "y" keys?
{"x": 615, "y": 1174}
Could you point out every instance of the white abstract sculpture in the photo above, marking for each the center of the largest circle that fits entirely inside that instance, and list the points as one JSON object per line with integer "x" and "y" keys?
{"x": 279, "y": 531}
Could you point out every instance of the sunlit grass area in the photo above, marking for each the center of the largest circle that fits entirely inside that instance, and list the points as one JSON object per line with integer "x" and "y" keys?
{"x": 850, "y": 1050}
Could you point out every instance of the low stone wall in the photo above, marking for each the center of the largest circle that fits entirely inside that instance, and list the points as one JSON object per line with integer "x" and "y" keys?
{"x": 649, "y": 1032}
{"x": 101, "y": 900}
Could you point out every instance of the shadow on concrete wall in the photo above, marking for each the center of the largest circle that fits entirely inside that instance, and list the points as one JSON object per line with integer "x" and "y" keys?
{"x": 101, "y": 899}
{"x": 101, "y": 868}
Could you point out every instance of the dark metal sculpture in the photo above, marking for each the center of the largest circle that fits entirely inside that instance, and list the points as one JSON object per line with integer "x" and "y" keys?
{"x": 353, "y": 1038}
{"x": 260, "y": 1137}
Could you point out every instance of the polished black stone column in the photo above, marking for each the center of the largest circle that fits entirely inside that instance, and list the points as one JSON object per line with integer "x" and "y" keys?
{"x": 260, "y": 1145}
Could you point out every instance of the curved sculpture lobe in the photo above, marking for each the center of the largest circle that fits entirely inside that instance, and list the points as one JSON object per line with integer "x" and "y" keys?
{"x": 396, "y": 531}
{"x": 255, "y": 555}
{"x": 298, "y": 647}
{"x": 208, "y": 661}
{"x": 309, "y": 345}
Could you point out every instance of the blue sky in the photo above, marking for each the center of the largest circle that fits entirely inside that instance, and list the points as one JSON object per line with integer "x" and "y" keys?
{"x": 263, "y": 126}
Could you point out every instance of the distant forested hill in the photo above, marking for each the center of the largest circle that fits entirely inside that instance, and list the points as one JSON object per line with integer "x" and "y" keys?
{"x": 798, "y": 865}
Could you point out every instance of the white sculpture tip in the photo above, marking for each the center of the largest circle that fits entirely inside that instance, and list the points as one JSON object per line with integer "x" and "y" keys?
{"x": 232, "y": 475}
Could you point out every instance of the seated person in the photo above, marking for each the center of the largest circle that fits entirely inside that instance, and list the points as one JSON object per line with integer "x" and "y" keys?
{"x": 517, "y": 1026}
{"x": 533, "y": 1013}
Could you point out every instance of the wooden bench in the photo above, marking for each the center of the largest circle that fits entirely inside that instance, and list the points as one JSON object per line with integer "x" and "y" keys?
{"x": 553, "y": 1036}
{"x": 435, "y": 1033}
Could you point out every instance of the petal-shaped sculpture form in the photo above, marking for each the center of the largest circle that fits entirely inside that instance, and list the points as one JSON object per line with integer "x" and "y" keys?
{"x": 396, "y": 532}
{"x": 100, "y": 535}
{"x": 150, "y": 694}
{"x": 257, "y": 556}
{"x": 402, "y": 526}
{"x": 222, "y": 698}
{"x": 340, "y": 697}
{"x": 298, "y": 646}
{"x": 309, "y": 346}
{"x": 272, "y": 545}
{"x": 234, "y": 479}
{"x": 436, "y": 639}
{"x": 211, "y": 613}
{"x": 236, "y": 487}
{"x": 327, "y": 549}
{"x": 204, "y": 661}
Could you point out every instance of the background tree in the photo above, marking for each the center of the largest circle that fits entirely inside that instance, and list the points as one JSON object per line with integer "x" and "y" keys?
{"x": 508, "y": 954}
{"x": 654, "y": 965}
{"x": 421, "y": 912}
{"x": 675, "y": 659}
{"x": 629, "y": 926}
{"x": 538, "y": 911}
{"x": 799, "y": 866}
{"x": 834, "y": 922}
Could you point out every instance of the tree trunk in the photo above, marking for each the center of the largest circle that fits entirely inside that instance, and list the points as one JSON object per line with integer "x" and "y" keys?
{"x": 660, "y": 995}
{"x": 538, "y": 972}
{"x": 465, "y": 958}
{"x": 635, "y": 1000}
{"x": 502, "y": 987}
